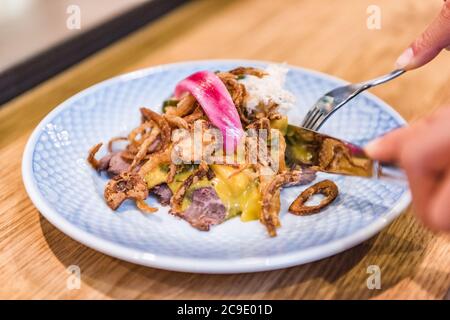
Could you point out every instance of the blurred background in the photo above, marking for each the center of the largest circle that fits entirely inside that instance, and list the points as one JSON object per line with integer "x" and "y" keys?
{"x": 29, "y": 27}
{"x": 39, "y": 38}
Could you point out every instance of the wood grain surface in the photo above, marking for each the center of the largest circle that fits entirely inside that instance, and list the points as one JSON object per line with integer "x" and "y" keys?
{"x": 329, "y": 36}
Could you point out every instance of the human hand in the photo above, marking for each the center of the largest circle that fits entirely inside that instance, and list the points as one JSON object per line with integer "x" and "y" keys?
{"x": 425, "y": 48}
{"x": 423, "y": 151}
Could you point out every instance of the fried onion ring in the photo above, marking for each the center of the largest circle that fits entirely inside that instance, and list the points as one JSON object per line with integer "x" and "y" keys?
{"x": 326, "y": 187}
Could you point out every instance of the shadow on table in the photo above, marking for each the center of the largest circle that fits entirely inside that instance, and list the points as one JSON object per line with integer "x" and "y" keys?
{"x": 398, "y": 253}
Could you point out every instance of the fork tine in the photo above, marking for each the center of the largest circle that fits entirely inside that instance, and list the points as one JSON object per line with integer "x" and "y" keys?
{"x": 306, "y": 121}
{"x": 312, "y": 119}
{"x": 308, "y": 116}
{"x": 318, "y": 122}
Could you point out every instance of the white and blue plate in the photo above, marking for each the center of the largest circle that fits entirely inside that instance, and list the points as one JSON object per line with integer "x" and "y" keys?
{"x": 70, "y": 194}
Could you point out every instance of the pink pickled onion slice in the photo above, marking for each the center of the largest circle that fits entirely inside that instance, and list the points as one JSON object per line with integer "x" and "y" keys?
{"x": 215, "y": 100}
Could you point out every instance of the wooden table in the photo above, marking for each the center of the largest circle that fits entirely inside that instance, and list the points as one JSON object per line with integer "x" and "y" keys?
{"x": 330, "y": 36}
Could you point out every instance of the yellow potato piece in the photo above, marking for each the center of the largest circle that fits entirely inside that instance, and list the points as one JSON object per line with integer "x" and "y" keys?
{"x": 280, "y": 124}
{"x": 238, "y": 192}
{"x": 251, "y": 204}
{"x": 156, "y": 177}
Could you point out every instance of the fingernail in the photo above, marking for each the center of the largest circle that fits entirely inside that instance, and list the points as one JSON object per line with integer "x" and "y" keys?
{"x": 405, "y": 58}
{"x": 372, "y": 147}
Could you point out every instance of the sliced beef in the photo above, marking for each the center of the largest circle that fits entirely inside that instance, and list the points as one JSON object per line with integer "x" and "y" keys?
{"x": 205, "y": 210}
{"x": 103, "y": 163}
{"x": 163, "y": 193}
{"x": 117, "y": 165}
{"x": 114, "y": 164}
{"x": 300, "y": 177}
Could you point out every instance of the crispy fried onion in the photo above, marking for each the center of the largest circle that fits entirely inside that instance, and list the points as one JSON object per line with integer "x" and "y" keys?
{"x": 281, "y": 150}
{"x": 155, "y": 159}
{"x": 262, "y": 123}
{"x": 141, "y": 131}
{"x": 273, "y": 135}
{"x": 185, "y": 106}
{"x": 177, "y": 198}
{"x": 172, "y": 172}
{"x": 144, "y": 207}
{"x": 195, "y": 115}
{"x": 238, "y": 94}
{"x": 269, "y": 110}
{"x": 127, "y": 185}
{"x": 333, "y": 152}
{"x": 240, "y": 71}
{"x": 163, "y": 125}
{"x": 176, "y": 121}
{"x": 271, "y": 199}
{"x": 91, "y": 156}
{"x": 132, "y": 149}
{"x": 236, "y": 89}
{"x": 326, "y": 187}
{"x": 144, "y": 148}
{"x": 111, "y": 142}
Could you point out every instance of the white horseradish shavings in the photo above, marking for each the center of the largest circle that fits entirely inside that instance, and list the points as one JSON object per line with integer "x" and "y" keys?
{"x": 268, "y": 88}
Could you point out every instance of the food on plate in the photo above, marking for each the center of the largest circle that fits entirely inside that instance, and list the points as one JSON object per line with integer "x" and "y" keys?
{"x": 324, "y": 153}
{"x": 216, "y": 151}
{"x": 326, "y": 187}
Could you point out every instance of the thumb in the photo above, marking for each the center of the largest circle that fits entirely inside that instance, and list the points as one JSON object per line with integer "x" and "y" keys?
{"x": 425, "y": 48}
{"x": 388, "y": 148}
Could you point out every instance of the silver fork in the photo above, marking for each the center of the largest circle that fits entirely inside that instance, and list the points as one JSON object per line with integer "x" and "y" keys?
{"x": 336, "y": 98}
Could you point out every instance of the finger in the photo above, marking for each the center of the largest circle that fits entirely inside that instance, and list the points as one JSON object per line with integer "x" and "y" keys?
{"x": 425, "y": 156}
{"x": 439, "y": 215}
{"x": 421, "y": 182}
{"x": 388, "y": 147}
{"x": 433, "y": 139}
{"x": 425, "y": 48}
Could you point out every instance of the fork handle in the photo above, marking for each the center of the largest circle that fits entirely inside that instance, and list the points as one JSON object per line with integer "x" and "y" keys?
{"x": 363, "y": 86}
{"x": 360, "y": 87}
{"x": 377, "y": 81}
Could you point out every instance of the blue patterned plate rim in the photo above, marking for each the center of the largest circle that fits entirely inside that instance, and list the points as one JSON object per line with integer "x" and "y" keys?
{"x": 238, "y": 265}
